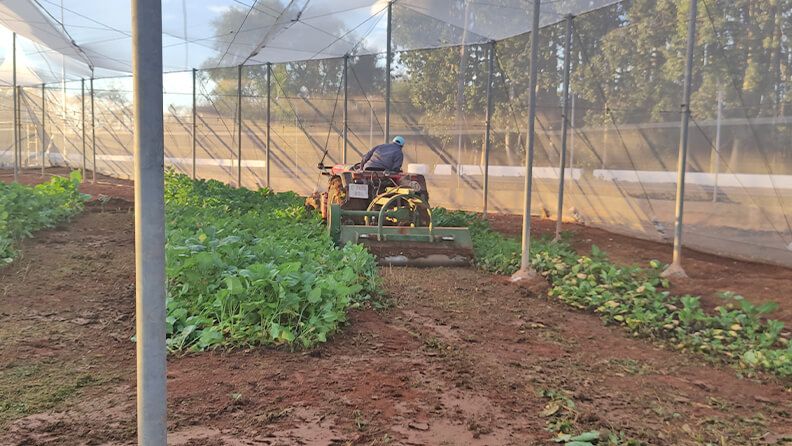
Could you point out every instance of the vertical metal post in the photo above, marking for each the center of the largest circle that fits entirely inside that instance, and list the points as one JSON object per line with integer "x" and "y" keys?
{"x": 488, "y": 131}
{"x": 269, "y": 122}
{"x": 389, "y": 57}
{"x": 43, "y": 128}
{"x": 149, "y": 222}
{"x": 239, "y": 126}
{"x": 564, "y": 127}
{"x": 717, "y": 143}
{"x": 526, "y": 271}
{"x": 93, "y": 133}
{"x": 15, "y": 114}
{"x": 572, "y": 136}
{"x": 82, "y": 126}
{"x": 194, "y": 121}
{"x": 346, "y": 110}
{"x": 675, "y": 269}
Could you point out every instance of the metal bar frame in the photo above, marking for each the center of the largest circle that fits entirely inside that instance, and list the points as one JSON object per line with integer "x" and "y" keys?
{"x": 675, "y": 269}
{"x": 488, "y": 131}
{"x": 43, "y": 128}
{"x": 149, "y": 222}
{"x": 82, "y": 127}
{"x": 93, "y": 133}
{"x": 389, "y": 57}
{"x": 527, "y": 272}
{"x": 194, "y": 122}
{"x": 346, "y": 110}
{"x": 239, "y": 126}
{"x": 16, "y": 112}
{"x": 564, "y": 126}
{"x": 269, "y": 117}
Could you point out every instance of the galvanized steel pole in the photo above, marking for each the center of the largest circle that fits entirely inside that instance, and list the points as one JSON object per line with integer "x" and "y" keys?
{"x": 675, "y": 269}
{"x": 239, "y": 126}
{"x": 346, "y": 109}
{"x": 526, "y": 271}
{"x": 564, "y": 127}
{"x": 43, "y": 128}
{"x": 194, "y": 122}
{"x": 487, "y": 136}
{"x": 82, "y": 126}
{"x": 149, "y": 222}
{"x": 269, "y": 102}
{"x": 93, "y": 134}
{"x": 717, "y": 143}
{"x": 389, "y": 56}
{"x": 15, "y": 114}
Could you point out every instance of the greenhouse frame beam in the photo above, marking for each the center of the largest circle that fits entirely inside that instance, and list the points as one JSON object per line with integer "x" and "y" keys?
{"x": 82, "y": 126}
{"x": 269, "y": 122}
{"x": 346, "y": 109}
{"x": 389, "y": 57}
{"x": 239, "y": 126}
{"x": 675, "y": 268}
{"x": 194, "y": 121}
{"x": 149, "y": 222}
{"x": 564, "y": 125}
{"x": 488, "y": 131}
{"x": 43, "y": 128}
{"x": 15, "y": 114}
{"x": 527, "y": 272}
{"x": 93, "y": 134}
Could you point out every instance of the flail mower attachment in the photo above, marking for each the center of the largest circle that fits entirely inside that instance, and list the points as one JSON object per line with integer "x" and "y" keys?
{"x": 397, "y": 228}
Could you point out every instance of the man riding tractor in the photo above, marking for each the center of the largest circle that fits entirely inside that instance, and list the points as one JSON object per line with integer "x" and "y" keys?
{"x": 354, "y": 187}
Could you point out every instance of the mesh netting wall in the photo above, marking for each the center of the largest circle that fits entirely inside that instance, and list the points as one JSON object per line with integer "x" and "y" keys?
{"x": 626, "y": 88}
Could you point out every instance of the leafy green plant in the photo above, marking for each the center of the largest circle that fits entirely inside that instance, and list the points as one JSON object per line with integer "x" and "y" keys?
{"x": 253, "y": 267}
{"x": 27, "y": 209}
{"x": 637, "y": 298}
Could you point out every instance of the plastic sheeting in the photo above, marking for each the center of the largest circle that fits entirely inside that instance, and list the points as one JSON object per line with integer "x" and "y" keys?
{"x": 226, "y": 33}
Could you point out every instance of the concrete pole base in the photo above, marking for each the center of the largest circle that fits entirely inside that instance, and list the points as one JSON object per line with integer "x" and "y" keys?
{"x": 674, "y": 271}
{"x": 525, "y": 274}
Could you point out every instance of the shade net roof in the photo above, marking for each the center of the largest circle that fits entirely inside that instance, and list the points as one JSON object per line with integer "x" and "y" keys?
{"x": 71, "y": 39}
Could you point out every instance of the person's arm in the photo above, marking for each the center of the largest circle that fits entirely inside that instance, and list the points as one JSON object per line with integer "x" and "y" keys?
{"x": 367, "y": 157}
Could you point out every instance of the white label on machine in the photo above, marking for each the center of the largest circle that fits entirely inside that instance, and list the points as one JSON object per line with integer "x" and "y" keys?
{"x": 358, "y": 190}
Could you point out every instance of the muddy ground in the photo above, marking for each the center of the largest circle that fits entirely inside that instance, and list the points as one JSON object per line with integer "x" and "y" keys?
{"x": 456, "y": 357}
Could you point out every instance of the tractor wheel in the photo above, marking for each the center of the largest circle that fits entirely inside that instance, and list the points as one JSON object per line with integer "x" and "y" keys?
{"x": 336, "y": 194}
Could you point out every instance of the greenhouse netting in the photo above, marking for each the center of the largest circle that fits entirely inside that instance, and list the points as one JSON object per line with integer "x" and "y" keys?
{"x": 267, "y": 99}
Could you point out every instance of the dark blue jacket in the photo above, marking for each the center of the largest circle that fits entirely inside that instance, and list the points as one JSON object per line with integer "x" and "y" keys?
{"x": 384, "y": 157}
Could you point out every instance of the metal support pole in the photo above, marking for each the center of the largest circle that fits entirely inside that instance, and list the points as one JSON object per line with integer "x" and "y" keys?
{"x": 93, "y": 134}
{"x": 564, "y": 127}
{"x": 675, "y": 269}
{"x": 269, "y": 121}
{"x": 346, "y": 109}
{"x": 717, "y": 144}
{"x": 239, "y": 126}
{"x": 389, "y": 57}
{"x": 15, "y": 114}
{"x": 487, "y": 135}
{"x": 43, "y": 128}
{"x": 82, "y": 126}
{"x": 149, "y": 222}
{"x": 194, "y": 122}
{"x": 526, "y": 271}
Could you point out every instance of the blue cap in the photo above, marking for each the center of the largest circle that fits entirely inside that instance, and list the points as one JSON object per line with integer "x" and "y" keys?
{"x": 398, "y": 140}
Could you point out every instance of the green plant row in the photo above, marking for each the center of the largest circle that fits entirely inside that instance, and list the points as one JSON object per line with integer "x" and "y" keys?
{"x": 637, "y": 298}
{"x": 253, "y": 267}
{"x": 26, "y": 209}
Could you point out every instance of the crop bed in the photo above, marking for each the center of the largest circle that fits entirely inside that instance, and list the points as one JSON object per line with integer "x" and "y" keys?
{"x": 450, "y": 355}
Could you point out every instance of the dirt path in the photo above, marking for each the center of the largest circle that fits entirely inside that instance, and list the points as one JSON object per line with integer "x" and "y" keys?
{"x": 458, "y": 357}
